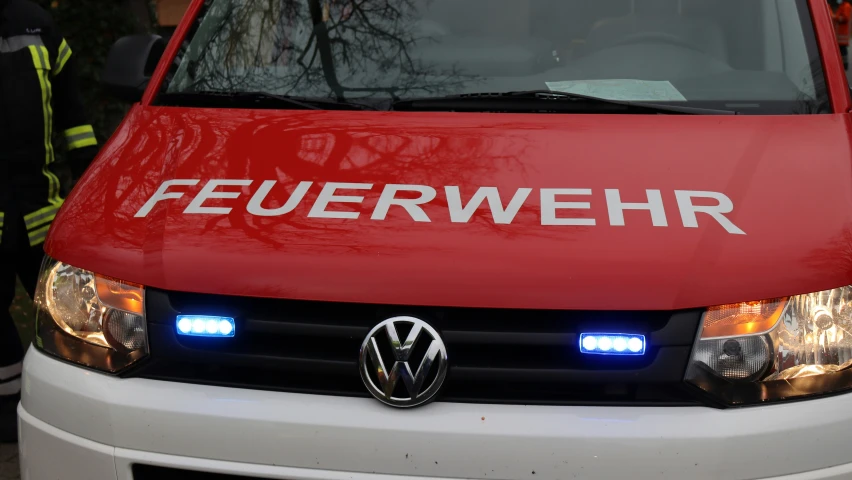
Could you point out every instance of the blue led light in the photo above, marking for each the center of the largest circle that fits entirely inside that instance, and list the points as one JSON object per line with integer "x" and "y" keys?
{"x": 612, "y": 343}
{"x": 184, "y": 325}
{"x": 205, "y": 326}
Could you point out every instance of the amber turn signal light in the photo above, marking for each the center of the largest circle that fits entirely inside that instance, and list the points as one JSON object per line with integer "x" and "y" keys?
{"x": 746, "y": 318}
{"x": 121, "y": 295}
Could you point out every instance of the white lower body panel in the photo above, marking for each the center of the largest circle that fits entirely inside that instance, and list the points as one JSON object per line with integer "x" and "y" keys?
{"x": 77, "y": 424}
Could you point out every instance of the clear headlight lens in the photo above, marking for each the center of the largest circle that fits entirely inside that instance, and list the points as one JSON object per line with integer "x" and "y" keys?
{"x": 90, "y": 319}
{"x": 776, "y": 349}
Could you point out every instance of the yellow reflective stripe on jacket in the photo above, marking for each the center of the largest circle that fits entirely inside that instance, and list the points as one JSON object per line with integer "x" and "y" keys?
{"x": 38, "y": 222}
{"x": 79, "y": 137}
{"x": 37, "y": 236}
{"x": 62, "y": 57}
{"x": 41, "y": 61}
{"x": 1, "y": 226}
{"x": 79, "y": 130}
{"x": 42, "y": 216}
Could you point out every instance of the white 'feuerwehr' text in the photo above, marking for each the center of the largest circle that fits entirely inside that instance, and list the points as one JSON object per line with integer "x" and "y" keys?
{"x": 558, "y": 206}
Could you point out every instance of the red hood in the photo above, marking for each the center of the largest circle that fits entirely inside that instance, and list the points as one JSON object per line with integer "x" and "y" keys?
{"x": 789, "y": 178}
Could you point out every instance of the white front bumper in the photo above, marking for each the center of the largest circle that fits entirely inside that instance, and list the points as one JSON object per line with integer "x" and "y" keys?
{"x": 77, "y": 424}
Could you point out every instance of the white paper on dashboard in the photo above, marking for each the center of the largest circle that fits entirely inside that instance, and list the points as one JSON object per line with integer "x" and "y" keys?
{"x": 626, "y": 90}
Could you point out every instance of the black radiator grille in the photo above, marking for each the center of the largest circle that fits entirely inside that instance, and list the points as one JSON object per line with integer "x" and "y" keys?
{"x": 496, "y": 356}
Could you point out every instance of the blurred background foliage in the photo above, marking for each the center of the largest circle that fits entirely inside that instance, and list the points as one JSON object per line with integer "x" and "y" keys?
{"x": 91, "y": 27}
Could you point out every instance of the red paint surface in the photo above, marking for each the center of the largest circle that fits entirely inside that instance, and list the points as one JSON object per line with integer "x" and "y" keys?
{"x": 790, "y": 179}
{"x": 788, "y": 176}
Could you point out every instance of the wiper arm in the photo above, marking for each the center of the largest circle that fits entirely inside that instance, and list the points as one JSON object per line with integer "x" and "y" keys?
{"x": 545, "y": 100}
{"x": 654, "y": 106}
{"x": 259, "y": 100}
{"x": 308, "y": 103}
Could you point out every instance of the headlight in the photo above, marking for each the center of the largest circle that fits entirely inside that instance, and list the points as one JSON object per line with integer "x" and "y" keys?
{"x": 775, "y": 349}
{"x": 90, "y": 319}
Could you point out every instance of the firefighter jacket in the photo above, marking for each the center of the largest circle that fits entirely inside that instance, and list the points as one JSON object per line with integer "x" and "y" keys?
{"x": 38, "y": 94}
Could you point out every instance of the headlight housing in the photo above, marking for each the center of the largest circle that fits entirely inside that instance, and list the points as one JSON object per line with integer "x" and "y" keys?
{"x": 90, "y": 319}
{"x": 775, "y": 349}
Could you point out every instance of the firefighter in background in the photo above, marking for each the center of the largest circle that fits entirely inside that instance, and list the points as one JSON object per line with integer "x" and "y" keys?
{"x": 38, "y": 94}
{"x": 842, "y": 17}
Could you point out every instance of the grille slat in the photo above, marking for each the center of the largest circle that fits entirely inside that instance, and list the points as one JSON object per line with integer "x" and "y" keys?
{"x": 657, "y": 372}
{"x": 199, "y": 350}
{"x": 307, "y": 329}
{"x": 509, "y": 338}
{"x": 495, "y": 356}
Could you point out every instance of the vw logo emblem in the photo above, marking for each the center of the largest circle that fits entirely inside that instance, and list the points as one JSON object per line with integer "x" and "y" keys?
{"x": 381, "y": 381}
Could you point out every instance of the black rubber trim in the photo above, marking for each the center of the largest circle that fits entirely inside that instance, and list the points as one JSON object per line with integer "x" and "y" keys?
{"x": 150, "y": 472}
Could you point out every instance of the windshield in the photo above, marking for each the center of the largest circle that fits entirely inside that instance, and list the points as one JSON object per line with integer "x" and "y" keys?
{"x": 748, "y": 56}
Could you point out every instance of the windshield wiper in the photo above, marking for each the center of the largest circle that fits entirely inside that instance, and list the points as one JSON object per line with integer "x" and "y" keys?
{"x": 544, "y": 101}
{"x": 258, "y": 100}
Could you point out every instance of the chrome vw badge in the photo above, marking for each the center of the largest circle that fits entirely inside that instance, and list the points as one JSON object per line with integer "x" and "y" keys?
{"x": 383, "y": 343}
